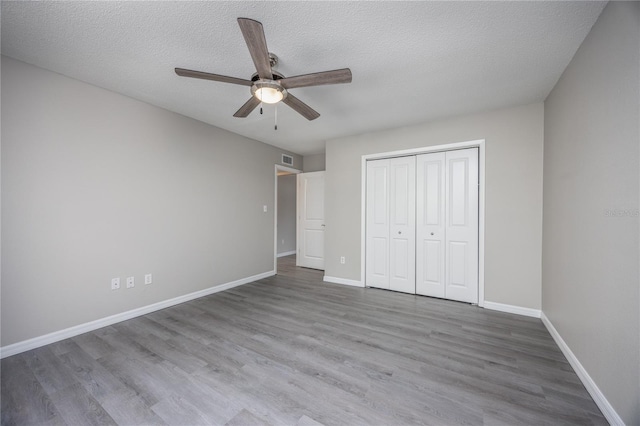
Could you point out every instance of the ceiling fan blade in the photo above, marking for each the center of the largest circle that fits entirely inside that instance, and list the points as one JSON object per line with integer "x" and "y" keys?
{"x": 300, "y": 107}
{"x": 257, "y": 44}
{"x": 317, "y": 78}
{"x": 215, "y": 77}
{"x": 246, "y": 109}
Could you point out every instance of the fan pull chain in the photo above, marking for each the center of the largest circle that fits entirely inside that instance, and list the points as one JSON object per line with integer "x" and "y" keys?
{"x": 276, "y": 126}
{"x": 260, "y": 107}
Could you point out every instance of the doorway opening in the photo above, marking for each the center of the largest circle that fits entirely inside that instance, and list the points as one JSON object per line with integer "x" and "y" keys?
{"x": 284, "y": 235}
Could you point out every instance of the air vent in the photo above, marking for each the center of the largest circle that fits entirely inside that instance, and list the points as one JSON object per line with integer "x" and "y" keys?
{"x": 287, "y": 159}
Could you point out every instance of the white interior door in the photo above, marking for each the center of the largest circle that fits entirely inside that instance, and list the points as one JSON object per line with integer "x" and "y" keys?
{"x": 430, "y": 224}
{"x": 461, "y": 259}
{"x": 310, "y": 213}
{"x": 402, "y": 231}
{"x": 377, "y": 224}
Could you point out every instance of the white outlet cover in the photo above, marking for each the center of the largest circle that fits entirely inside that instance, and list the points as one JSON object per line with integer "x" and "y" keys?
{"x": 130, "y": 282}
{"x": 148, "y": 279}
{"x": 115, "y": 283}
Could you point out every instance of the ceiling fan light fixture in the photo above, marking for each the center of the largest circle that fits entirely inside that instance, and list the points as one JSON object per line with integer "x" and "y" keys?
{"x": 268, "y": 91}
{"x": 269, "y": 95}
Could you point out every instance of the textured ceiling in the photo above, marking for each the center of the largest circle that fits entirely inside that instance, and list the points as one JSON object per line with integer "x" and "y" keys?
{"x": 411, "y": 61}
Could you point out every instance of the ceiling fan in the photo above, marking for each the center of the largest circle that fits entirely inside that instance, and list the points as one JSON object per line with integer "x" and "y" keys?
{"x": 268, "y": 85}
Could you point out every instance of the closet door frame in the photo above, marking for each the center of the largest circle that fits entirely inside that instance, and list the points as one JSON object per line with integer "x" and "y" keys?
{"x": 480, "y": 144}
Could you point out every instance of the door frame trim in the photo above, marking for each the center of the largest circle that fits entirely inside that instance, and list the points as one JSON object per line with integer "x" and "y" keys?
{"x": 279, "y": 168}
{"x": 480, "y": 144}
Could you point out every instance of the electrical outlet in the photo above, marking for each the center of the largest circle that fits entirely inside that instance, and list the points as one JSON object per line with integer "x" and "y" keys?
{"x": 264, "y": 208}
{"x": 148, "y": 279}
{"x": 130, "y": 282}
{"x": 342, "y": 260}
{"x": 115, "y": 283}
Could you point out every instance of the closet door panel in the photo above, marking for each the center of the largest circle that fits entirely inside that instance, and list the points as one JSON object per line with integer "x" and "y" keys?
{"x": 461, "y": 258}
{"x": 402, "y": 234}
{"x": 377, "y": 226}
{"x": 430, "y": 224}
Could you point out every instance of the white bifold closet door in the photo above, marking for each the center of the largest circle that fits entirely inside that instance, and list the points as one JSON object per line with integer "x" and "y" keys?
{"x": 447, "y": 225}
{"x": 390, "y": 242}
{"x": 422, "y": 224}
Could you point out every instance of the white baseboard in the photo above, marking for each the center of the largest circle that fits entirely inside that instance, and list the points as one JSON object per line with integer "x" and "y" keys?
{"x": 344, "y": 281}
{"x": 286, "y": 253}
{"x": 512, "y": 309}
{"x": 56, "y": 336}
{"x": 603, "y": 404}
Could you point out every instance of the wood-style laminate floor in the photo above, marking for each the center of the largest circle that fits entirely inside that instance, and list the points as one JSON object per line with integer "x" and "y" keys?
{"x": 293, "y": 350}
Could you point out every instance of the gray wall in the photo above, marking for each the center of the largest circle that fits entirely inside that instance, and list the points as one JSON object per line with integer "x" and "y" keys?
{"x": 513, "y": 226}
{"x": 313, "y": 163}
{"x": 96, "y": 185}
{"x": 286, "y": 213}
{"x": 590, "y": 282}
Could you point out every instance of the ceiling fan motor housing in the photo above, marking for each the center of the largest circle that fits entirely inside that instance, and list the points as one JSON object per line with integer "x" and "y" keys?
{"x": 276, "y": 76}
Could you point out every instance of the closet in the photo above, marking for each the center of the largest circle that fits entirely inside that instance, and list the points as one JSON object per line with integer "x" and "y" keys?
{"x": 422, "y": 224}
